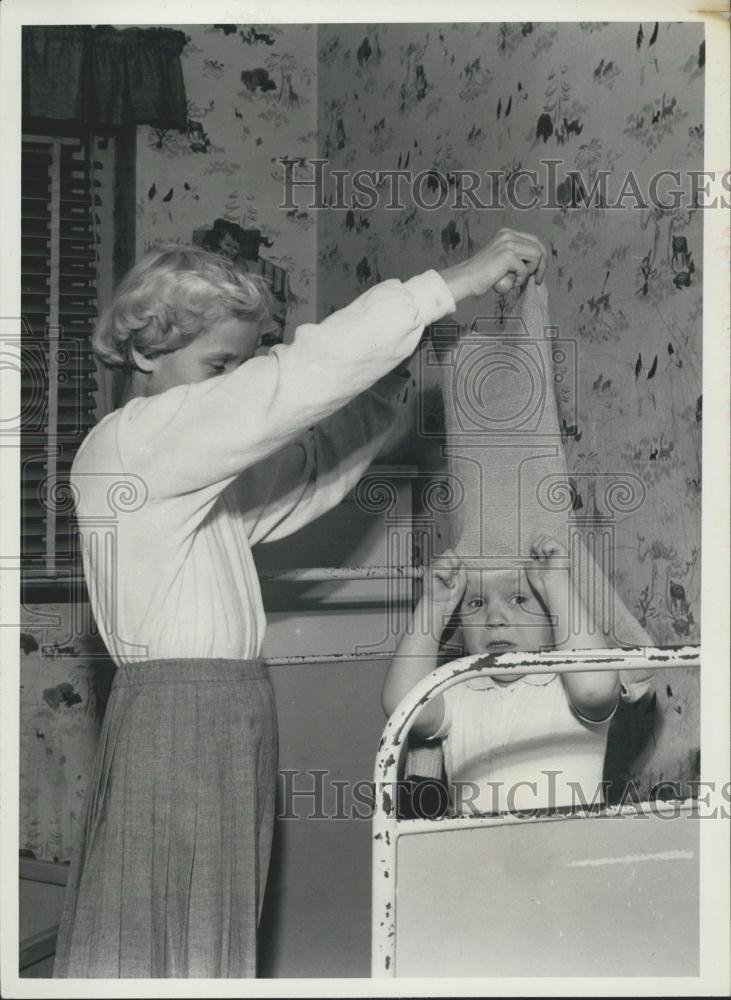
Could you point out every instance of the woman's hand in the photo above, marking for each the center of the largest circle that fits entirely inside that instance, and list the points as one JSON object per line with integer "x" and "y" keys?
{"x": 508, "y": 260}
{"x": 445, "y": 581}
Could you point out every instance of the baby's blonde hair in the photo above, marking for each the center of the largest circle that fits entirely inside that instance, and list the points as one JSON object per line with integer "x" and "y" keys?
{"x": 172, "y": 295}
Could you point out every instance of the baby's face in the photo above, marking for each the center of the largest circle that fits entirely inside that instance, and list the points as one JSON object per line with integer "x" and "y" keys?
{"x": 501, "y": 613}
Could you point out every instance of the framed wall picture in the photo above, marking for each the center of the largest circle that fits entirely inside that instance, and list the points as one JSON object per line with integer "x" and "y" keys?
{"x": 242, "y": 247}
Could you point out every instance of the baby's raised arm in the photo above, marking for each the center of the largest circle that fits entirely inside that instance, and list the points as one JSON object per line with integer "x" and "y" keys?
{"x": 593, "y": 695}
{"x": 418, "y": 652}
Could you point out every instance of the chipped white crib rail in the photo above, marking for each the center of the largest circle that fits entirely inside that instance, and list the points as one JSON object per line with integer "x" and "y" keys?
{"x": 385, "y": 830}
{"x": 330, "y": 574}
{"x": 326, "y": 574}
{"x": 301, "y": 659}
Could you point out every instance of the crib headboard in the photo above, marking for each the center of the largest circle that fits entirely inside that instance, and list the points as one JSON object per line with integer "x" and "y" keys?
{"x": 599, "y": 892}
{"x": 564, "y": 896}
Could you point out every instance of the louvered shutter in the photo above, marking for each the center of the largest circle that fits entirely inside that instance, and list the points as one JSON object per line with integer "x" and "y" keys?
{"x": 59, "y": 257}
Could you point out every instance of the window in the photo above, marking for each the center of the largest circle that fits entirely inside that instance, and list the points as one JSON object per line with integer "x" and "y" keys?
{"x": 67, "y": 264}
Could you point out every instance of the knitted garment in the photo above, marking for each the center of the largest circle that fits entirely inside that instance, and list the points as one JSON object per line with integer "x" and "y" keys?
{"x": 505, "y": 453}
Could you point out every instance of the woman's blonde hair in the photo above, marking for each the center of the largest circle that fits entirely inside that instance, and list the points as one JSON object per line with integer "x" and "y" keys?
{"x": 172, "y": 295}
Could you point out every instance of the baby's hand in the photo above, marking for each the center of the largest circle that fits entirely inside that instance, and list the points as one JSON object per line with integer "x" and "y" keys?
{"x": 445, "y": 581}
{"x": 549, "y": 571}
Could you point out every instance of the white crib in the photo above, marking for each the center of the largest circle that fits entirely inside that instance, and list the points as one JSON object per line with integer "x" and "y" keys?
{"x": 599, "y": 892}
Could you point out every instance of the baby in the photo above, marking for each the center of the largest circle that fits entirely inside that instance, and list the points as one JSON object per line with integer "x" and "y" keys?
{"x": 516, "y": 742}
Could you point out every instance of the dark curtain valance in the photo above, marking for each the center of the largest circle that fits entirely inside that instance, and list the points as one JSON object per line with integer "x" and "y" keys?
{"x": 102, "y": 76}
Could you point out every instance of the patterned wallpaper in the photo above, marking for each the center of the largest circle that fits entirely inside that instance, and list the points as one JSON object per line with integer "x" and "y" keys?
{"x": 624, "y": 283}
{"x": 65, "y": 678}
{"x": 251, "y": 100}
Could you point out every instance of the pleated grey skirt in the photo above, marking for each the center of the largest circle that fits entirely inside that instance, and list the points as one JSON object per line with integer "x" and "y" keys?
{"x": 169, "y": 875}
